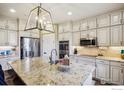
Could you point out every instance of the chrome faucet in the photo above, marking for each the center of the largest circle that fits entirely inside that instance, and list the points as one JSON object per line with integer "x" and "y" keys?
{"x": 51, "y": 59}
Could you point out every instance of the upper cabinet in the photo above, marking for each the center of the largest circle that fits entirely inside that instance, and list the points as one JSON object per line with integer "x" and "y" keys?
{"x": 61, "y": 28}
{"x": 92, "y": 33}
{"x": 68, "y": 27}
{"x": 65, "y": 27}
{"x": 76, "y": 38}
{"x": 64, "y": 36}
{"x": 12, "y": 24}
{"x": 116, "y": 18}
{"x": 103, "y": 37}
{"x": 88, "y": 34}
{"x": 3, "y": 23}
{"x": 116, "y": 35}
{"x": 76, "y": 26}
{"x": 24, "y": 33}
{"x": 91, "y": 23}
{"x": 84, "y": 25}
{"x": 6, "y": 23}
{"x": 103, "y": 21}
{"x": 84, "y": 34}
{"x": 3, "y": 37}
{"x": 8, "y": 38}
{"x": 22, "y": 24}
{"x": 12, "y": 38}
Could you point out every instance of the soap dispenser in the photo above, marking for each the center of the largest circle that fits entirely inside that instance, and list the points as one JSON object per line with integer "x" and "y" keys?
{"x": 122, "y": 54}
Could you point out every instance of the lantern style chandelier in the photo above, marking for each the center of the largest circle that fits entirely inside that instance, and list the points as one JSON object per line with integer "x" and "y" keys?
{"x": 39, "y": 19}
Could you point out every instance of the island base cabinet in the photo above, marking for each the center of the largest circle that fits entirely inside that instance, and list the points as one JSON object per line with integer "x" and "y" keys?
{"x": 116, "y": 76}
{"x": 102, "y": 72}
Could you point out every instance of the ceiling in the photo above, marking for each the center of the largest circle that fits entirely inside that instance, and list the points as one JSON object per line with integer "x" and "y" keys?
{"x": 59, "y": 10}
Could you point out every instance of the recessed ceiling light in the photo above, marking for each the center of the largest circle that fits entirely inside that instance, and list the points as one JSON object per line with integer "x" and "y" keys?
{"x": 12, "y": 10}
{"x": 69, "y": 13}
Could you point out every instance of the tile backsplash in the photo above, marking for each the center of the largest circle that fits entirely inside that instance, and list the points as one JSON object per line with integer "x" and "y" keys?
{"x": 105, "y": 51}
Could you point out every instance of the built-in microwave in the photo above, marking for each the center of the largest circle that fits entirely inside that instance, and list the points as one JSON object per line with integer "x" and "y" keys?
{"x": 88, "y": 42}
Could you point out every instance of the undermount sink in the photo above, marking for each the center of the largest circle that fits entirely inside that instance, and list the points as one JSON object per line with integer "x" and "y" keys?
{"x": 63, "y": 68}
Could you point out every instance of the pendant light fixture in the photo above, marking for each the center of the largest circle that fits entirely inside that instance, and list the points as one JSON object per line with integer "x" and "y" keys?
{"x": 39, "y": 19}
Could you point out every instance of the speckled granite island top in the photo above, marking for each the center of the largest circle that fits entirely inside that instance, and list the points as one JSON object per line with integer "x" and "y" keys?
{"x": 37, "y": 71}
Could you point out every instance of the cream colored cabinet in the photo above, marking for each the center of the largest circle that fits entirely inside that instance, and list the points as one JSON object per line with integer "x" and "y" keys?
{"x": 76, "y": 26}
{"x": 116, "y": 75}
{"x": 76, "y": 38}
{"x": 116, "y": 18}
{"x": 102, "y": 70}
{"x": 116, "y": 35}
{"x": 65, "y": 27}
{"x": 3, "y": 37}
{"x": 103, "y": 21}
{"x": 60, "y": 28}
{"x": 123, "y": 35}
{"x": 88, "y": 34}
{"x": 103, "y": 37}
{"x": 7, "y": 23}
{"x": 22, "y": 24}
{"x": 64, "y": 36}
{"x": 12, "y": 24}
{"x": 91, "y": 23}
{"x": 12, "y": 38}
{"x": 92, "y": 33}
{"x": 3, "y": 23}
{"x": 24, "y": 33}
{"x": 84, "y": 25}
{"x": 84, "y": 34}
{"x": 68, "y": 27}
{"x": 123, "y": 17}
{"x": 86, "y": 60}
{"x": 34, "y": 35}
{"x": 61, "y": 36}
{"x": 117, "y": 72}
{"x": 8, "y": 38}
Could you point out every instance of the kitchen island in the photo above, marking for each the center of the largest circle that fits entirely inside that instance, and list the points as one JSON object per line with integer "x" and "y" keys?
{"x": 38, "y": 71}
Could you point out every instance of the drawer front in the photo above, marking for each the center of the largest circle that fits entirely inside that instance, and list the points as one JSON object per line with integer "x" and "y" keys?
{"x": 102, "y": 61}
{"x": 117, "y": 63}
{"x": 87, "y": 59}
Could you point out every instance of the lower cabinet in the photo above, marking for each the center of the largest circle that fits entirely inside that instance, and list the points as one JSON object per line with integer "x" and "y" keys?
{"x": 110, "y": 71}
{"x": 102, "y": 70}
{"x": 87, "y": 61}
{"x": 117, "y": 72}
{"x": 116, "y": 76}
{"x": 106, "y": 70}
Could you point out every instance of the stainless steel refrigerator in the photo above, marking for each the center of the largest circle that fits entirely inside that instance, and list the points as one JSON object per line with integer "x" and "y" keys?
{"x": 30, "y": 47}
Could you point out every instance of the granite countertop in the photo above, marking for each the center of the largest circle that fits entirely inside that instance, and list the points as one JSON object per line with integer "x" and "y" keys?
{"x": 101, "y": 57}
{"x": 37, "y": 71}
{"x": 110, "y": 58}
{"x": 8, "y": 56}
